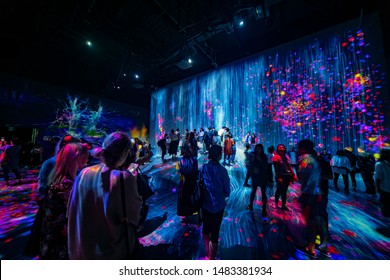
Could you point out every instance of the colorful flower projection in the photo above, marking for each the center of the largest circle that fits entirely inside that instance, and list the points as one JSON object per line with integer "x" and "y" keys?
{"x": 327, "y": 95}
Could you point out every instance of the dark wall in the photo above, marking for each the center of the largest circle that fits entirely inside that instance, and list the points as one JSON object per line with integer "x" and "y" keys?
{"x": 26, "y": 104}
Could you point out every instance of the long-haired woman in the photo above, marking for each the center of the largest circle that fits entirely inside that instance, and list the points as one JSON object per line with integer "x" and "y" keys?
{"x": 70, "y": 159}
{"x": 284, "y": 174}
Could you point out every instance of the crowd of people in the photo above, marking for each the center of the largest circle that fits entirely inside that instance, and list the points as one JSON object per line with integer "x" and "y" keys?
{"x": 311, "y": 169}
{"x": 90, "y": 206}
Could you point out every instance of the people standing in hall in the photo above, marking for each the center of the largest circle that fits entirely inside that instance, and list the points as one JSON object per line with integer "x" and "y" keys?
{"x": 222, "y": 134}
{"x": 353, "y": 160}
{"x": 49, "y": 164}
{"x": 97, "y": 228}
{"x": 36, "y": 155}
{"x": 10, "y": 160}
{"x": 248, "y": 155}
{"x": 186, "y": 134}
{"x": 209, "y": 137}
{"x": 216, "y": 190}
{"x": 173, "y": 139}
{"x": 201, "y": 139}
{"x": 284, "y": 174}
{"x": 259, "y": 174}
{"x": 324, "y": 159}
{"x": 234, "y": 150}
{"x": 217, "y": 139}
{"x": 293, "y": 155}
{"x": 382, "y": 179}
{"x": 33, "y": 245}
{"x": 253, "y": 140}
{"x": 228, "y": 149}
{"x": 366, "y": 165}
{"x": 176, "y": 141}
{"x": 309, "y": 174}
{"x": 54, "y": 238}
{"x": 188, "y": 168}
{"x": 270, "y": 154}
{"x": 341, "y": 165}
{"x": 162, "y": 143}
{"x": 191, "y": 144}
{"x": 133, "y": 163}
{"x": 248, "y": 138}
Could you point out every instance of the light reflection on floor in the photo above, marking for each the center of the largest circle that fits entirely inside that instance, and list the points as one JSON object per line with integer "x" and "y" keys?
{"x": 357, "y": 228}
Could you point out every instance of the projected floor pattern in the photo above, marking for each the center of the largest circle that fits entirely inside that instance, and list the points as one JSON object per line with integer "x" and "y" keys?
{"x": 357, "y": 228}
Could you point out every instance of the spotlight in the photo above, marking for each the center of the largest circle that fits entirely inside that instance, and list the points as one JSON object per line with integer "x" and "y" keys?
{"x": 239, "y": 21}
{"x": 184, "y": 64}
{"x": 88, "y": 43}
{"x": 124, "y": 74}
{"x": 136, "y": 76}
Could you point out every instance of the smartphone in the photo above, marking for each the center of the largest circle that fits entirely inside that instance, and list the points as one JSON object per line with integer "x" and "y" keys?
{"x": 133, "y": 168}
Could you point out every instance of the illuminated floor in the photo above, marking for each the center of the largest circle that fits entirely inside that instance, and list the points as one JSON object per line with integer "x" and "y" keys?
{"x": 357, "y": 228}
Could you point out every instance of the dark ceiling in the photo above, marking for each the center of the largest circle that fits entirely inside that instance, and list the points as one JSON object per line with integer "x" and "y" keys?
{"x": 46, "y": 39}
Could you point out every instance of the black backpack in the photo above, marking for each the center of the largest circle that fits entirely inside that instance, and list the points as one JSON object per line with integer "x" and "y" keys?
{"x": 366, "y": 162}
{"x": 326, "y": 168}
{"x": 160, "y": 142}
{"x": 370, "y": 163}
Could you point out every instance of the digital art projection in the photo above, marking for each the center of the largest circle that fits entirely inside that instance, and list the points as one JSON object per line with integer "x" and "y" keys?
{"x": 329, "y": 87}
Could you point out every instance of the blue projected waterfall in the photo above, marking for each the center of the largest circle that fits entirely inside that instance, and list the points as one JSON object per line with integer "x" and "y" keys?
{"x": 328, "y": 88}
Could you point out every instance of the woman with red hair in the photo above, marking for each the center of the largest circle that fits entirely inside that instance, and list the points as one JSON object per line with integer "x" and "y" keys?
{"x": 54, "y": 242}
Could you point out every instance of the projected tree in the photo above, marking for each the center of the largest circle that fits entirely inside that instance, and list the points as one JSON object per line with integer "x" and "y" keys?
{"x": 77, "y": 118}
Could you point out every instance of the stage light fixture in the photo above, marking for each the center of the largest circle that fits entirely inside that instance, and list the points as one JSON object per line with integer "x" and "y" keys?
{"x": 136, "y": 76}
{"x": 239, "y": 21}
{"x": 190, "y": 60}
{"x": 88, "y": 43}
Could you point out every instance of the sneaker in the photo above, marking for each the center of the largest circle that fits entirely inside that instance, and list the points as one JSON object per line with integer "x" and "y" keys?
{"x": 284, "y": 208}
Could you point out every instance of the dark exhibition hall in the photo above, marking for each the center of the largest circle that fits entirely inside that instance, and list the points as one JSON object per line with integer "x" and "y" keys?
{"x": 194, "y": 130}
